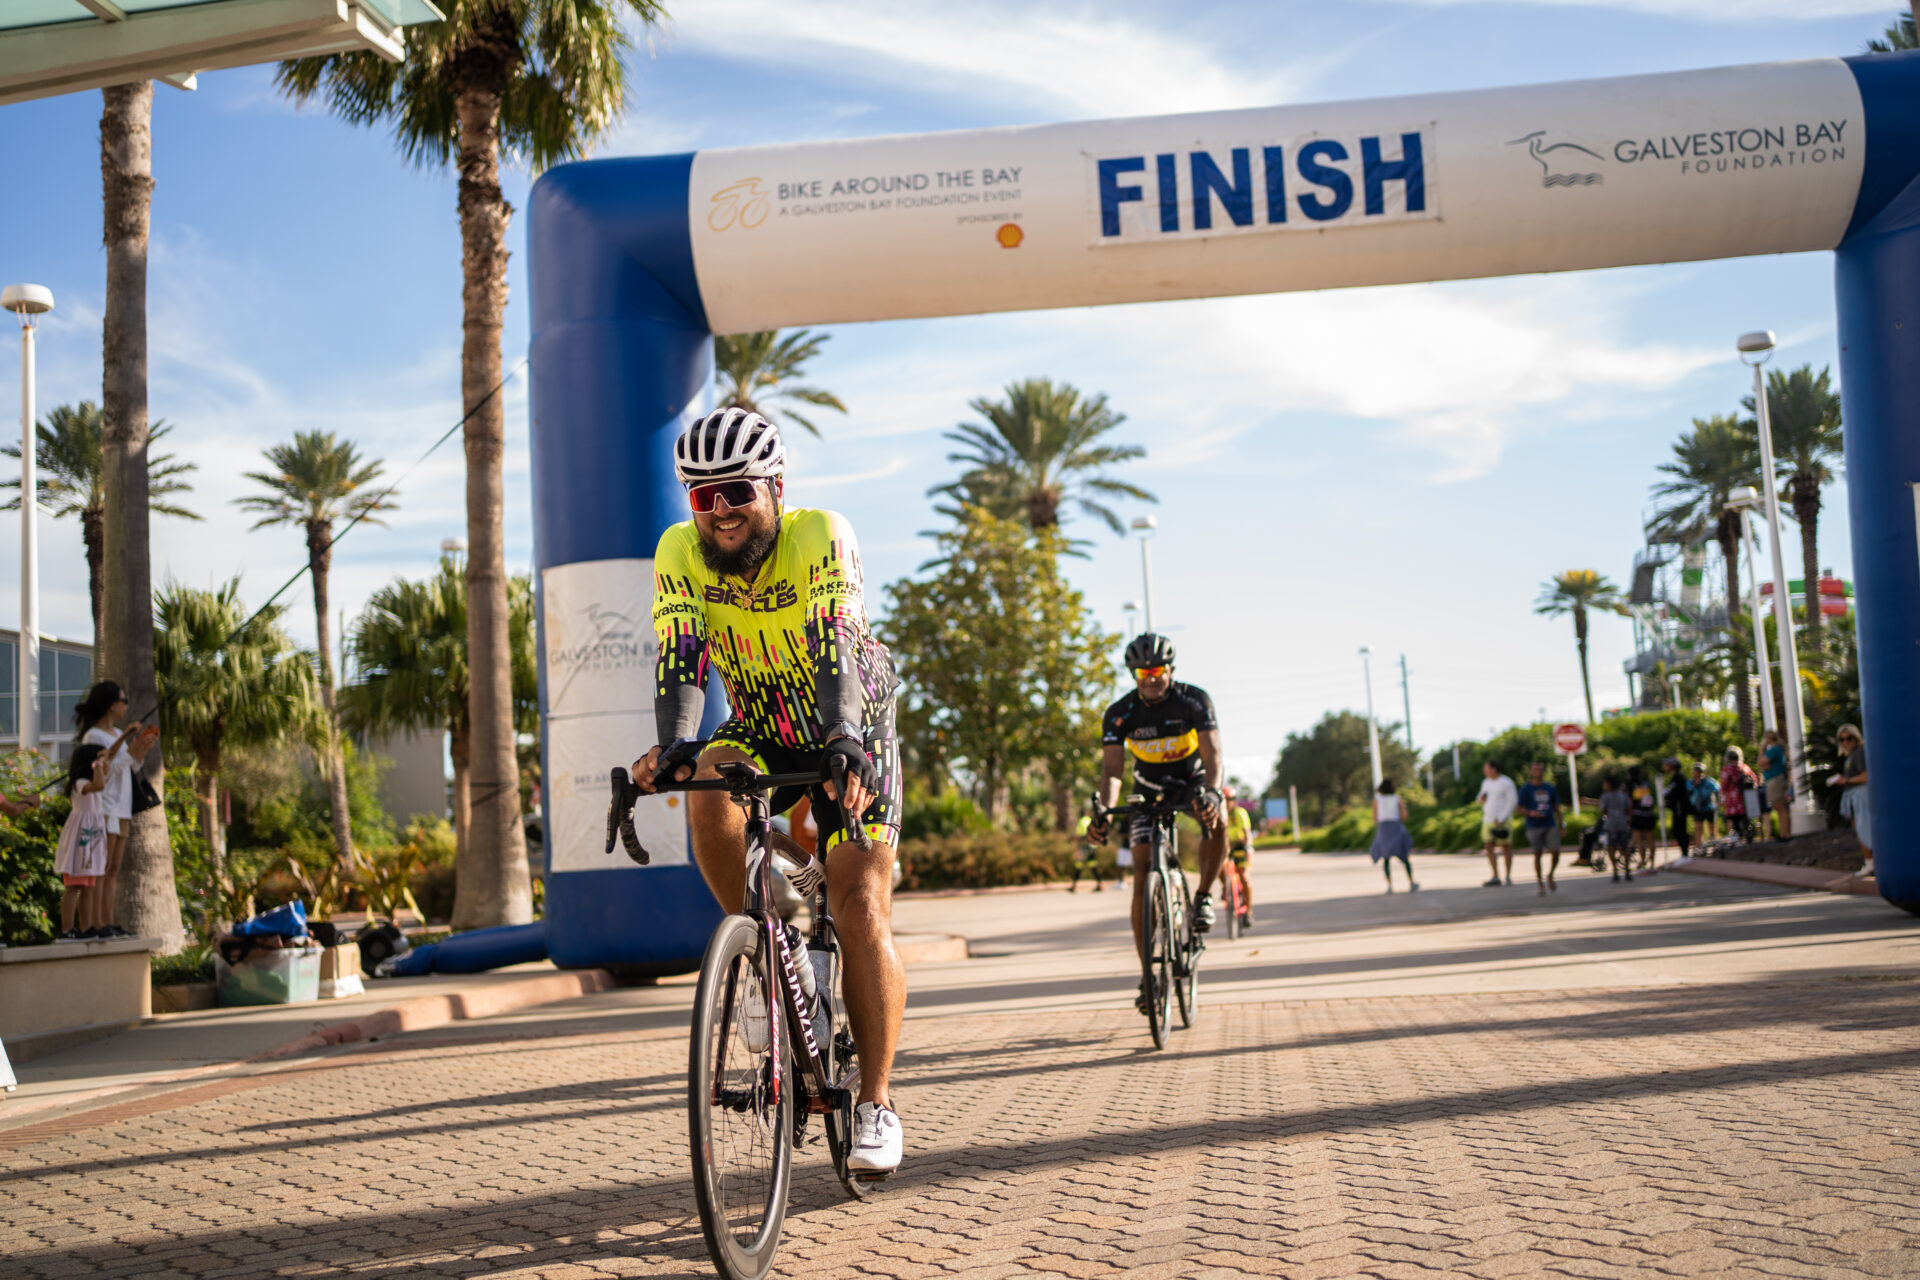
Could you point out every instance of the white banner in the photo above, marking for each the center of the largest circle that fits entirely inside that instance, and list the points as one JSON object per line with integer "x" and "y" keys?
{"x": 1598, "y": 173}
{"x": 598, "y": 621}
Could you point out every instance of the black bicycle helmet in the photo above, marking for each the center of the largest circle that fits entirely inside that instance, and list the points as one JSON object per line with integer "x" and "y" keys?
{"x": 1150, "y": 650}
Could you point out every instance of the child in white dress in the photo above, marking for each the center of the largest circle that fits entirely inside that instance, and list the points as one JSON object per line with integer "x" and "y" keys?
{"x": 82, "y": 859}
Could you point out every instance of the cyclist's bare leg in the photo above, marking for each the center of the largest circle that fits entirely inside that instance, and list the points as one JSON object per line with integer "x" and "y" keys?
{"x": 1213, "y": 850}
{"x": 1142, "y": 866}
{"x": 719, "y": 833}
{"x": 860, "y": 895}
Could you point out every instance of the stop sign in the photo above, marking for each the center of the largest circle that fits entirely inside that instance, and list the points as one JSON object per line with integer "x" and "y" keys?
{"x": 1570, "y": 739}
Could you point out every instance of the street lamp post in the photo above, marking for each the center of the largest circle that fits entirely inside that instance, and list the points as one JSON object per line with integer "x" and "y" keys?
{"x": 1144, "y": 526}
{"x": 1744, "y": 500}
{"x": 1759, "y": 344}
{"x": 29, "y": 302}
{"x": 1373, "y": 730}
{"x": 1130, "y": 610}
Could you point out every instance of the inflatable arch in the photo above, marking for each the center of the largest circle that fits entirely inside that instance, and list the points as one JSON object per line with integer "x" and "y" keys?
{"x": 635, "y": 263}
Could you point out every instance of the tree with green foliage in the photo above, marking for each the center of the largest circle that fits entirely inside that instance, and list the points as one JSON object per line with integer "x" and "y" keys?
{"x": 761, "y": 372}
{"x": 409, "y": 651}
{"x": 1579, "y": 592}
{"x": 1331, "y": 767}
{"x": 71, "y": 474}
{"x": 1804, "y": 412}
{"x": 1005, "y": 669}
{"x": 1719, "y": 455}
{"x": 540, "y": 80}
{"x": 228, "y": 681}
{"x": 1038, "y": 449}
{"x": 317, "y": 481}
{"x": 1899, "y": 35}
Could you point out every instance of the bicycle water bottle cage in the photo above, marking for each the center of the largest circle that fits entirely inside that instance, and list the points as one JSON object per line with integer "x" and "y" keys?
{"x": 620, "y": 817}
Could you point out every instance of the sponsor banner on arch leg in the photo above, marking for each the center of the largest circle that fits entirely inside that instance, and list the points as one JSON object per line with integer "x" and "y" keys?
{"x": 598, "y": 625}
{"x": 1663, "y": 168}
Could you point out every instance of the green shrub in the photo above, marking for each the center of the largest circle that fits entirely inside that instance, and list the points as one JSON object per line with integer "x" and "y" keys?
{"x": 195, "y": 964}
{"x": 1352, "y": 829}
{"x": 948, "y": 813}
{"x": 988, "y": 859}
{"x": 29, "y": 889}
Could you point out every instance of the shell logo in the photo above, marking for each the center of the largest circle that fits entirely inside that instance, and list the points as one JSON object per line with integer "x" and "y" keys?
{"x": 740, "y": 203}
{"x": 1009, "y": 235}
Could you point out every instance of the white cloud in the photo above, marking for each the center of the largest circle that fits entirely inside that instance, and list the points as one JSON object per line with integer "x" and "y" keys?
{"x": 1742, "y": 11}
{"x": 1086, "y": 61}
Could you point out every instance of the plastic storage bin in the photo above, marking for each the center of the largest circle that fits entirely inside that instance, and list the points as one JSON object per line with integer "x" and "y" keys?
{"x": 291, "y": 976}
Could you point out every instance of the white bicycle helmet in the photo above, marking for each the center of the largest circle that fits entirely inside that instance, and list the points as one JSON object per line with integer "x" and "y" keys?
{"x": 729, "y": 444}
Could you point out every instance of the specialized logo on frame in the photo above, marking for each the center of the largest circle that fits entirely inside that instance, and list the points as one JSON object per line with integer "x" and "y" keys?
{"x": 1309, "y": 183}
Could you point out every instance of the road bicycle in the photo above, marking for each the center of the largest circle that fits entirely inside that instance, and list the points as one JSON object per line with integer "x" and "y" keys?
{"x": 1173, "y": 947}
{"x": 771, "y": 1044}
{"x": 1235, "y": 899}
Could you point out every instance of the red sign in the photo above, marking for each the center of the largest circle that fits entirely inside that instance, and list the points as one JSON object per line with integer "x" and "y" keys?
{"x": 1569, "y": 739}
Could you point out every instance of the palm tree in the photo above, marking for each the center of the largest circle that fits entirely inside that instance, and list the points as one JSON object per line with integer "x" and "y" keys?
{"x": 410, "y": 652}
{"x": 316, "y": 481}
{"x": 540, "y": 79}
{"x": 1577, "y": 591}
{"x": 1719, "y": 455}
{"x": 229, "y": 681}
{"x": 72, "y": 483}
{"x": 757, "y": 369}
{"x": 1899, "y": 35}
{"x": 149, "y": 903}
{"x": 1038, "y": 448}
{"x": 1804, "y": 412}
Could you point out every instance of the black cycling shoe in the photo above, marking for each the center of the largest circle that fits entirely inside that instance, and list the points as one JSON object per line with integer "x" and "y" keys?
{"x": 1203, "y": 913}
{"x": 1144, "y": 1001}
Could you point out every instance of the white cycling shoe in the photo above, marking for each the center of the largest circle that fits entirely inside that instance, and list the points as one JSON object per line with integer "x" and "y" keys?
{"x": 877, "y": 1141}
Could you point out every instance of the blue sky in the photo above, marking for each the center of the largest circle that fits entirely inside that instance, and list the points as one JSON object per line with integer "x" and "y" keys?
{"x": 1396, "y": 467}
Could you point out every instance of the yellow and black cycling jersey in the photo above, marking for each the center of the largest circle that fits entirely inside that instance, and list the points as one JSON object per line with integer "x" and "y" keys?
{"x": 792, "y": 645}
{"x": 1162, "y": 737}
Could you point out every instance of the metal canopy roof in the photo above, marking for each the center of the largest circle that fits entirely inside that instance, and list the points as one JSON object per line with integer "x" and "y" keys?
{"x": 49, "y": 47}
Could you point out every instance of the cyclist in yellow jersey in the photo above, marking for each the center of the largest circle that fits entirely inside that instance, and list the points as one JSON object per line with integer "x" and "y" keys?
{"x": 772, "y": 599}
{"x": 1239, "y": 850}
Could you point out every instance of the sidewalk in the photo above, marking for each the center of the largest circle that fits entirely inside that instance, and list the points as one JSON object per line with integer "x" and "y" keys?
{"x": 169, "y": 1049}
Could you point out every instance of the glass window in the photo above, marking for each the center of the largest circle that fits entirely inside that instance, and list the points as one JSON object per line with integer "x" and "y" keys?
{"x": 9, "y": 666}
{"x": 76, "y": 672}
{"x": 49, "y": 668}
{"x": 56, "y": 712}
{"x": 8, "y": 728}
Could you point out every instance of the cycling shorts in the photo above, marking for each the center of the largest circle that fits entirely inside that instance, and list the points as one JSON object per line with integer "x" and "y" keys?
{"x": 882, "y": 816}
{"x": 1140, "y": 826}
{"x": 1242, "y": 855}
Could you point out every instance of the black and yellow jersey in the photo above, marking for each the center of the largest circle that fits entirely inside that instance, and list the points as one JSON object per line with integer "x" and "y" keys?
{"x": 1162, "y": 737}
{"x": 792, "y": 645}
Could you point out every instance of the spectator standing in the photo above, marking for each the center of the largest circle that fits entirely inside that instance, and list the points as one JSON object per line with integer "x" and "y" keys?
{"x": 1391, "y": 838}
{"x": 1736, "y": 784}
{"x": 1773, "y": 774}
{"x": 1497, "y": 801}
{"x": 1679, "y": 803}
{"x": 98, "y": 718}
{"x": 1643, "y": 813}
{"x": 1540, "y": 801}
{"x": 1616, "y": 817}
{"x": 81, "y": 860}
{"x": 1704, "y": 792}
{"x": 1853, "y": 799}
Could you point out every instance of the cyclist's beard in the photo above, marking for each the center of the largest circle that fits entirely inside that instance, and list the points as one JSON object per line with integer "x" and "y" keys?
{"x": 764, "y": 531}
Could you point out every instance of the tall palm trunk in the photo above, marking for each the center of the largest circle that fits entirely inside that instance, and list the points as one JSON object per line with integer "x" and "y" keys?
{"x": 1804, "y": 491}
{"x": 93, "y": 536}
{"x": 1728, "y": 533}
{"x": 492, "y": 885}
{"x": 146, "y": 901}
{"x": 319, "y": 566}
{"x": 1580, "y": 637}
{"x": 206, "y": 793}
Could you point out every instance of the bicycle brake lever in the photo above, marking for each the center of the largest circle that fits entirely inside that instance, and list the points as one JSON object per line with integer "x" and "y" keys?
{"x": 620, "y": 817}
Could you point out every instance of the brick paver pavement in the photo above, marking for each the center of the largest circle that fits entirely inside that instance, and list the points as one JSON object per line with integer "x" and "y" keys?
{"x": 1744, "y": 1130}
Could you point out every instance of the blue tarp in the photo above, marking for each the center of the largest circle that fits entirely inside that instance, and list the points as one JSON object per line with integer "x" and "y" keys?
{"x": 476, "y": 951}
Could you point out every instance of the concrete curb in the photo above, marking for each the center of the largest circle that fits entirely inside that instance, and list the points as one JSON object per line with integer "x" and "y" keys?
{"x": 1819, "y": 879}
{"x": 424, "y": 1012}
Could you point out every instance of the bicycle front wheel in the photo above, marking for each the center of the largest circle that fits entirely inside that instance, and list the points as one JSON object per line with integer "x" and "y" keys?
{"x": 740, "y": 1116}
{"x": 1160, "y": 947}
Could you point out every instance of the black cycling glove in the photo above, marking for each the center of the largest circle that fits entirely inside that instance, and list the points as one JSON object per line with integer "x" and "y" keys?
{"x": 684, "y": 752}
{"x": 846, "y": 758}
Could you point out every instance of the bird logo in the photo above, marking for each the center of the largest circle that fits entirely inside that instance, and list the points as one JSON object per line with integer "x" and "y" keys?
{"x": 1549, "y": 178}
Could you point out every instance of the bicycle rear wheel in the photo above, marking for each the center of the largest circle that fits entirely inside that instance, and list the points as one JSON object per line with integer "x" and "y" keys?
{"x": 1186, "y": 947}
{"x": 1160, "y": 947}
{"x": 739, "y": 1127}
{"x": 1234, "y": 924}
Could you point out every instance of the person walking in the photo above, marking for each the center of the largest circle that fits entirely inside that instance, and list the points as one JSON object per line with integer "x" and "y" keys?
{"x": 1853, "y": 798}
{"x": 1738, "y": 786}
{"x": 1497, "y": 801}
{"x": 1540, "y": 802}
{"x": 1679, "y": 803}
{"x": 1616, "y": 818}
{"x": 1773, "y": 776}
{"x": 1704, "y": 793}
{"x": 1643, "y": 814}
{"x": 1390, "y": 836}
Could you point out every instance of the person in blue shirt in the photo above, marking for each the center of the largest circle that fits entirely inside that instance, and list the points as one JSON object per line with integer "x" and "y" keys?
{"x": 1540, "y": 802}
{"x": 1705, "y": 794}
